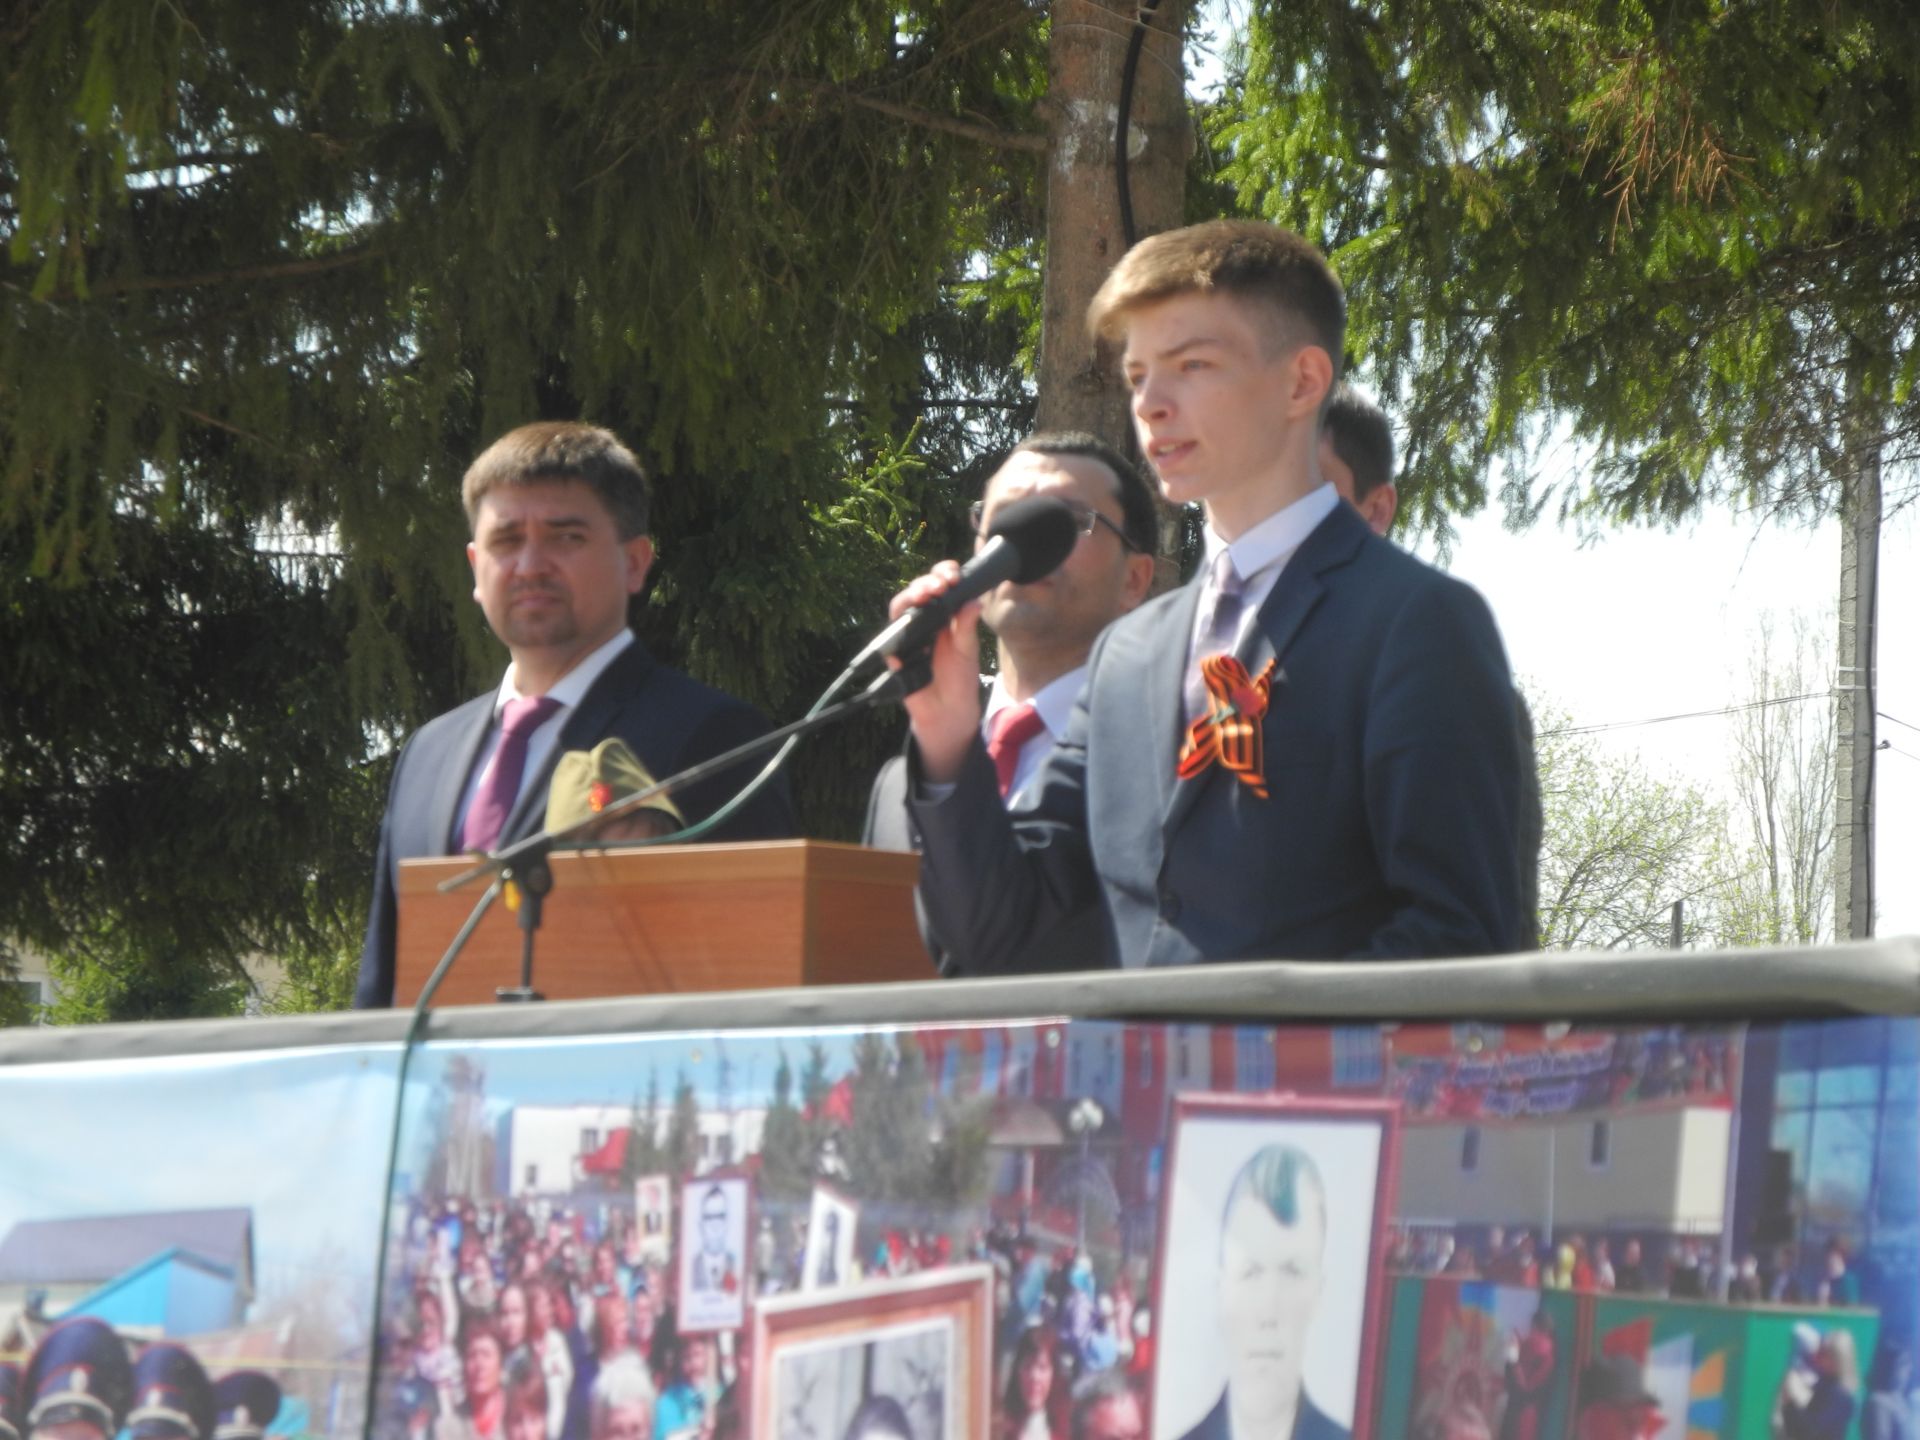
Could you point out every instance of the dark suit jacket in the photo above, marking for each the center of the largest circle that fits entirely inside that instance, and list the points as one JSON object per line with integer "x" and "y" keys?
{"x": 1309, "y": 1423}
{"x": 1079, "y": 942}
{"x": 670, "y": 720}
{"x": 1390, "y": 757}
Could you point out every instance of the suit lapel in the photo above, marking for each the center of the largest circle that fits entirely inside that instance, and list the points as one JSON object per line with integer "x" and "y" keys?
{"x": 1295, "y": 596}
{"x": 470, "y": 733}
{"x": 1165, "y": 691}
{"x": 590, "y": 723}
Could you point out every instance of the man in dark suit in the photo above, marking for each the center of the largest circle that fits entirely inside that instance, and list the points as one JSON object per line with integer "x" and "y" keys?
{"x": 558, "y": 514}
{"x": 1045, "y": 631}
{"x": 1273, "y": 1235}
{"x": 1356, "y": 456}
{"x": 1309, "y": 751}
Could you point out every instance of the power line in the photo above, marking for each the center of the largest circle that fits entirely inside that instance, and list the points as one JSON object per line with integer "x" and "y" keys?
{"x": 1889, "y": 745}
{"x": 1898, "y": 721}
{"x": 1687, "y": 715}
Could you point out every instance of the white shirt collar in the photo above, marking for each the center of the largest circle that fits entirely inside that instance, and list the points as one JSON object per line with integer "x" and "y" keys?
{"x": 1053, "y": 700}
{"x": 571, "y": 688}
{"x": 1270, "y": 542}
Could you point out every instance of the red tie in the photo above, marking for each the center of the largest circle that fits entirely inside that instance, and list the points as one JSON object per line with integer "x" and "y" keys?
{"x": 1007, "y": 735}
{"x": 500, "y": 786}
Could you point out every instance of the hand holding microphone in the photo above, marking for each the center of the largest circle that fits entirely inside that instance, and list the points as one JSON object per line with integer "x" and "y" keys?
{"x": 1027, "y": 541}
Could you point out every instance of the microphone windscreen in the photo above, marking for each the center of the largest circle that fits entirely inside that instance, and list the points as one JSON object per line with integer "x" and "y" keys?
{"x": 1042, "y": 531}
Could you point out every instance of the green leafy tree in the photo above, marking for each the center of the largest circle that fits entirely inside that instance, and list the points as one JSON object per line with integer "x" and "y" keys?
{"x": 1778, "y": 888}
{"x": 888, "y": 1146}
{"x": 644, "y": 1153}
{"x": 1620, "y": 846}
{"x": 1684, "y": 235}
{"x": 682, "y": 1152}
{"x": 959, "y": 1170}
{"x": 271, "y": 279}
{"x": 786, "y": 1156}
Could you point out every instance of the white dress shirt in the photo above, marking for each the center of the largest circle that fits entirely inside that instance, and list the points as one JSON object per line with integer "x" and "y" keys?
{"x": 1053, "y": 703}
{"x": 1258, "y": 557}
{"x": 569, "y": 690}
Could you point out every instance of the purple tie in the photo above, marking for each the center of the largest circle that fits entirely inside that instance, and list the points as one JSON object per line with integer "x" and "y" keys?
{"x": 1221, "y": 603}
{"x": 500, "y": 786}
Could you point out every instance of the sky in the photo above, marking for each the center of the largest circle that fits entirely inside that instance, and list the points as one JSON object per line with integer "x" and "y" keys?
{"x": 294, "y": 1136}
{"x": 1647, "y": 623}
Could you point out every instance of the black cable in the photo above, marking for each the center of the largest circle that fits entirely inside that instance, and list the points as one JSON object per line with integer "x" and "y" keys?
{"x": 1135, "y": 44}
{"x": 409, "y": 1045}
{"x": 1686, "y": 715}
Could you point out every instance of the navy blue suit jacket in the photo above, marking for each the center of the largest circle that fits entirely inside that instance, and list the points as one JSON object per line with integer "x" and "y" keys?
{"x": 1391, "y": 763}
{"x": 1079, "y": 942}
{"x": 1309, "y": 1423}
{"x": 669, "y": 720}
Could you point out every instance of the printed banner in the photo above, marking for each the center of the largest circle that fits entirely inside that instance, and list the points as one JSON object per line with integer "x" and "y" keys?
{"x": 222, "y": 1210}
{"x": 1035, "y": 1229}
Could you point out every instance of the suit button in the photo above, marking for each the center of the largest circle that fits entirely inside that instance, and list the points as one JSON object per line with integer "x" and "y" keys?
{"x": 1169, "y": 906}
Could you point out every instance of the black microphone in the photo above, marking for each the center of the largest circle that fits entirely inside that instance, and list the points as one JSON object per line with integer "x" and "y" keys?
{"x": 1027, "y": 541}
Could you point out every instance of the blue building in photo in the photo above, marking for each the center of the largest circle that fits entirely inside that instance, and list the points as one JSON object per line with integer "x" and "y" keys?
{"x": 169, "y": 1273}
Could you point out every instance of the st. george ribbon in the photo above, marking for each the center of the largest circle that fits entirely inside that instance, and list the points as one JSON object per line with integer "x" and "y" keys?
{"x": 1027, "y": 541}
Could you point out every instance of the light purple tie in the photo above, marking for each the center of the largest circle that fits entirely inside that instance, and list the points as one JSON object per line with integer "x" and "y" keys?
{"x": 500, "y": 786}
{"x": 1221, "y": 603}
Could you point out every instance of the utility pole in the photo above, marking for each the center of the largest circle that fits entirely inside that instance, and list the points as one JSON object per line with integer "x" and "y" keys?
{"x": 1854, "y": 691}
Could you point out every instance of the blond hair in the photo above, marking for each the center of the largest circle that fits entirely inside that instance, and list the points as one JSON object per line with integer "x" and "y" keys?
{"x": 1247, "y": 259}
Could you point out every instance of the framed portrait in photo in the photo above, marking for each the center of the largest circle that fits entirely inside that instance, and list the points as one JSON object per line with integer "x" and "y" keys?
{"x": 1270, "y": 1270}
{"x": 830, "y": 1233}
{"x": 911, "y": 1356}
{"x": 653, "y": 1217}
{"x": 714, "y": 1264}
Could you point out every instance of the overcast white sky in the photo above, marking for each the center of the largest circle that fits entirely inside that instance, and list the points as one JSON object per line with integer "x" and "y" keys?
{"x": 1653, "y": 623}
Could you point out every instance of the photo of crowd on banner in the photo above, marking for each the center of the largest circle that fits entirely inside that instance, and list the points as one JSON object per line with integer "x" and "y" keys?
{"x": 1106, "y": 1231}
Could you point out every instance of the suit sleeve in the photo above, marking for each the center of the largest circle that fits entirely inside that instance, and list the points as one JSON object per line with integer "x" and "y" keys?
{"x": 374, "y": 989}
{"x": 888, "y": 825}
{"x": 1533, "y": 824}
{"x": 992, "y": 880}
{"x": 1443, "y": 780}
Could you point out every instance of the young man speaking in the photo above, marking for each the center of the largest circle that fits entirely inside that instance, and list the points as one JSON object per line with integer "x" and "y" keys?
{"x": 1306, "y": 752}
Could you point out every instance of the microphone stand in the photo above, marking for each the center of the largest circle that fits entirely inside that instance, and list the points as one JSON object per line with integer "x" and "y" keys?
{"x": 524, "y": 866}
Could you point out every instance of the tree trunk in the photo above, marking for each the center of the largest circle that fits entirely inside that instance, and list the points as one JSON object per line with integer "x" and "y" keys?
{"x": 1080, "y": 386}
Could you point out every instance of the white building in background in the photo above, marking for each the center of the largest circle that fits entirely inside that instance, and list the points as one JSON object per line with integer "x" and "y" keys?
{"x": 545, "y": 1145}
{"x": 33, "y": 978}
{"x": 1655, "y": 1170}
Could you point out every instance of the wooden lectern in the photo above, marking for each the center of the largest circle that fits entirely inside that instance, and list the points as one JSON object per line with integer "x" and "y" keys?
{"x": 673, "y": 919}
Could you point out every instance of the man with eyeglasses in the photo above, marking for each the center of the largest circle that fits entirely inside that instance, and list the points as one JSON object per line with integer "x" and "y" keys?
{"x": 1045, "y": 632}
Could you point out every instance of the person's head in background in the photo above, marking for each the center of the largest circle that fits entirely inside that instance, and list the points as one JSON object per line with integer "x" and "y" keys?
{"x": 1356, "y": 454}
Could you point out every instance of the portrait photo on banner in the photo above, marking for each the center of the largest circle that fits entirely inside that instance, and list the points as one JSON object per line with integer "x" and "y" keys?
{"x": 1270, "y": 1266}
{"x": 653, "y": 1217}
{"x": 905, "y": 1359}
{"x": 831, "y": 1221}
{"x": 713, "y": 1253}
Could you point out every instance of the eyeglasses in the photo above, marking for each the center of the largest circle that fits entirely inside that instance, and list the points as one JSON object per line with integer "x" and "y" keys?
{"x": 1085, "y": 518}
